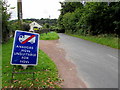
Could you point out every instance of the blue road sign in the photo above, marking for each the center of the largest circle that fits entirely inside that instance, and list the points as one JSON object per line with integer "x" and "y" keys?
{"x": 25, "y": 48}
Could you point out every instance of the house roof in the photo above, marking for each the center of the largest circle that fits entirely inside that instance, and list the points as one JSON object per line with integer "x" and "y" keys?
{"x": 35, "y": 24}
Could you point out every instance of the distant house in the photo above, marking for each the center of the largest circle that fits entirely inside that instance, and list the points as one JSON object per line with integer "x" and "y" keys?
{"x": 34, "y": 26}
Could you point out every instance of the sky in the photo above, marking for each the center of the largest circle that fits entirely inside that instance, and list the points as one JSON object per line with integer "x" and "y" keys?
{"x": 37, "y": 8}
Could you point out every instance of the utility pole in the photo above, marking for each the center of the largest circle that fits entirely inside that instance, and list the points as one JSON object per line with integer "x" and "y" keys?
{"x": 19, "y": 9}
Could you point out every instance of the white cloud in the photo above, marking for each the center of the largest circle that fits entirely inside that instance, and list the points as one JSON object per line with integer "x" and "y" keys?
{"x": 37, "y": 8}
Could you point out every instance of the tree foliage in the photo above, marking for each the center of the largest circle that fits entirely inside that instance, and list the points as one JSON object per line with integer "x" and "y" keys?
{"x": 25, "y": 26}
{"x": 93, "y": 18}
{"x": 5, "y": 22}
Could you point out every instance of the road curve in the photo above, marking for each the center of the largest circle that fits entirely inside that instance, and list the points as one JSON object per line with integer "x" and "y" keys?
{"x": 96, "y": 64}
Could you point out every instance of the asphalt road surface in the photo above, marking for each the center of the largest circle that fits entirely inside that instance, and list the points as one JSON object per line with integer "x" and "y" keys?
{"x": 96, "y": 64}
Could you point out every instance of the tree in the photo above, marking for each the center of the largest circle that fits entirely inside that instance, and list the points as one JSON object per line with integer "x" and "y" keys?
{"x": 46, "y": 26}
{"x": 5, "y": 22}
{"x": 93, "y": 18}
{"x": 67, "y": 9}
{"x": 26, "y": 26}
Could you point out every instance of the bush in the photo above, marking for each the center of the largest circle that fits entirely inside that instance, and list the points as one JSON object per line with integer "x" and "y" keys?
{"x": 26, "y": 27}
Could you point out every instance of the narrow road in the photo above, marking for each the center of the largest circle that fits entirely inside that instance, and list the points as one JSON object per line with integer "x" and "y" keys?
{"x": 96, "y": 65}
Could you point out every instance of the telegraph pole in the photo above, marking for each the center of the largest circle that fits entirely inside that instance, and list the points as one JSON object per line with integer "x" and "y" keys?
{"x": 19, "y": 9}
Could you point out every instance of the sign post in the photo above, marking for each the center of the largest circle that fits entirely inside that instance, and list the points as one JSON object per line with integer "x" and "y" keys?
{"x": 25, "y": 50}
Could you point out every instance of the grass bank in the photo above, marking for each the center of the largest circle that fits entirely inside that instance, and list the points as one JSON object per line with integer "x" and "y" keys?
{"x": 49, "y": 36}
{"x": 104, "y": 40}
{"x": 46, "y": 73}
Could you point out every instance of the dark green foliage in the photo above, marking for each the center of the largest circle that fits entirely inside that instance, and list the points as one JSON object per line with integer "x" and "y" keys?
{"x": 14, "y": 25}
{"x": 26, "y": 27}
{"x": 46, "y": 25}
{"x": 42, "y": 21}
{"x": 93, "y": 18}
{"x": 5, "y": 22}
{"x": 68, "y": 9}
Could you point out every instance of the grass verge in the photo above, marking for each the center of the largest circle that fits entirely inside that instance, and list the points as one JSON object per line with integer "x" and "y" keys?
{"x": 49, "y": 36}
{"x": 104, "y": 40}
{"x": 46, "y": 73}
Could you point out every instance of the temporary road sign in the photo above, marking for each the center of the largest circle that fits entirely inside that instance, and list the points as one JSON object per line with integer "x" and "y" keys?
{"x": 25, "y": 48}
